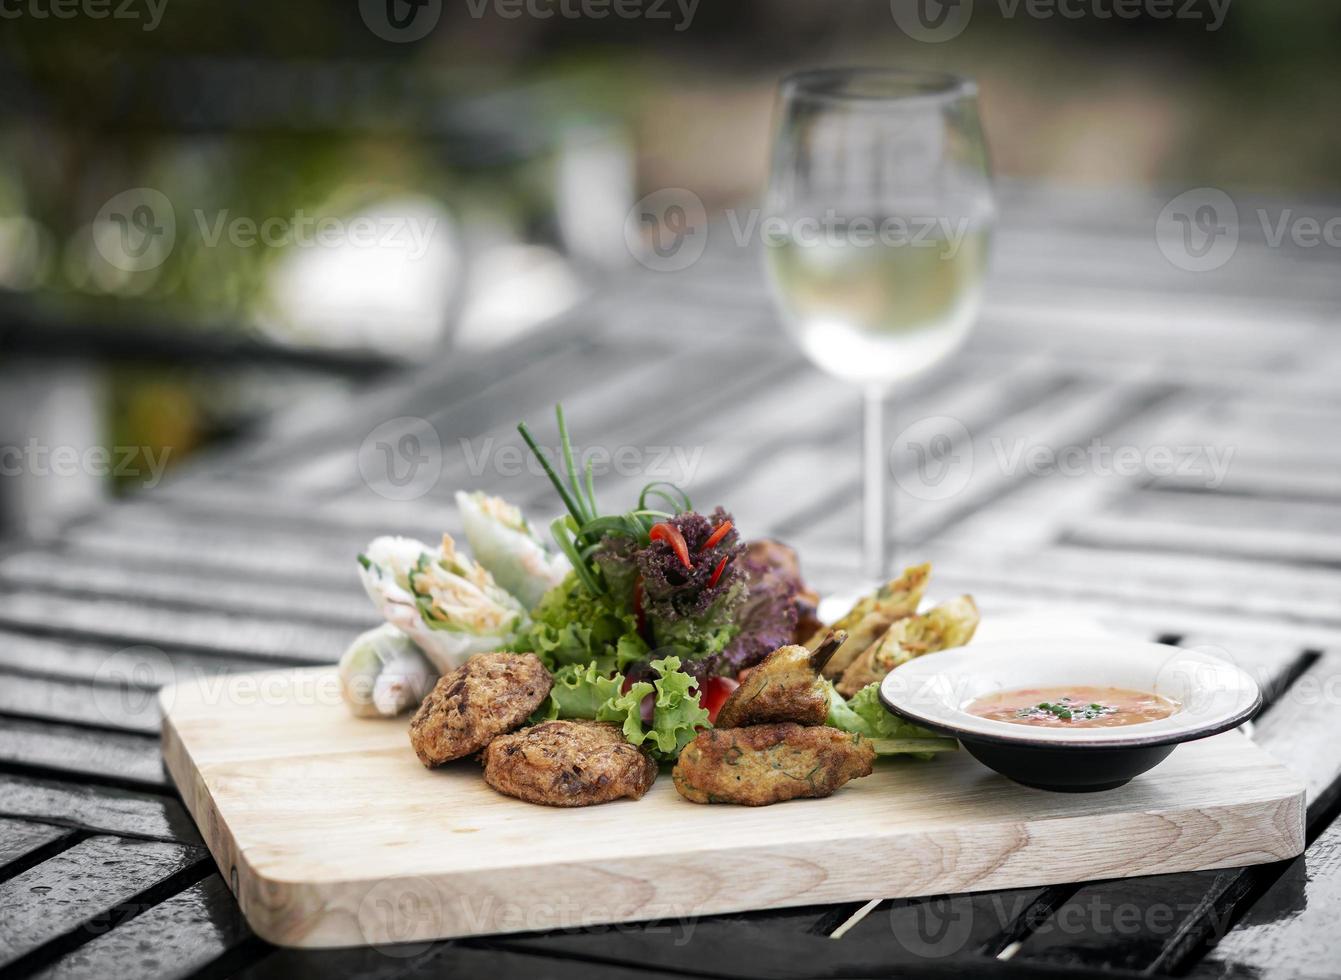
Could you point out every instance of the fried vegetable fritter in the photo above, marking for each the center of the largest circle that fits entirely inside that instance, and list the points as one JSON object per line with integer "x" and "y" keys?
{"x": 763, "y": 764}
{"x": 568, "y": 763}
{"x": 784, "y": 687}
{"x": 490, "y": 694}
{"x": 873, "y": 615}
{"x": 951, "y": 624}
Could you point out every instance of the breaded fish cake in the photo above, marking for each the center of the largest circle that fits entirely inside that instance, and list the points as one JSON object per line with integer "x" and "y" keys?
{"x": 568, "y": 763}
{"x": 764, "y": 764}
{"x": 785, "y": 686}
{"x": 490, "y": 694}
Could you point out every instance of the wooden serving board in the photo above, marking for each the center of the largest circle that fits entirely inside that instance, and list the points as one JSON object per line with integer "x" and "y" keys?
{"x": 331, "y": 833}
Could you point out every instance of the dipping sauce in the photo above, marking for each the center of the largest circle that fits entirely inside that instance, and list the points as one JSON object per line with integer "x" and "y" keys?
{"x": 1072, "y": 707}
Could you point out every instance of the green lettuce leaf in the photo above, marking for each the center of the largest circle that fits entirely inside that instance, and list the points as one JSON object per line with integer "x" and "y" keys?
{"x": 571, "y": 626}
{"x": 588, "y": 692}
{"x": 578, "y": 692}
{"x": 676, "y": 712}
{"x": 864, "y": 715}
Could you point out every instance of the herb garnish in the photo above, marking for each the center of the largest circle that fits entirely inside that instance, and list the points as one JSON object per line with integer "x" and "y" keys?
{"x": 1067, "y": 709}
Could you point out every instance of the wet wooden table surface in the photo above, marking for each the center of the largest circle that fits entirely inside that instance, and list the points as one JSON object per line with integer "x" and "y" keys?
{"x": 1150, "y": 447}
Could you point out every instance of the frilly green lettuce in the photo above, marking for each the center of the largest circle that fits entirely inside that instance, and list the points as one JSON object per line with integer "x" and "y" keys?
{"x": 863, "y": 714}
{"x": 587, "y": 692}
{"x": 676, "y": 712}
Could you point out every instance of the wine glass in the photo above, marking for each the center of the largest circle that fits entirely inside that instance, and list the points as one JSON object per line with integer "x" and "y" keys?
{"x": 879, "y": 215}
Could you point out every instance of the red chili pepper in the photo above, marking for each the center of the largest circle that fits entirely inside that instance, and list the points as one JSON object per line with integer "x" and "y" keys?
{"x": 672, "y": 536}
{"x": 722, "y": 531}
{"x": 717, "y": 572}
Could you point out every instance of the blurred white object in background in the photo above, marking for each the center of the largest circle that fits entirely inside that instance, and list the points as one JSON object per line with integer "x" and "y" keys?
{"x": 52, "y": 462}
{"x": 386, "y": 278}
{"x": 512, "y": 289}
{"x": 594, "y": 189}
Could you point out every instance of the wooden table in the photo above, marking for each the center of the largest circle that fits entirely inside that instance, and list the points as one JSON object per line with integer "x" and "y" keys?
{"x": 244, "y": 561}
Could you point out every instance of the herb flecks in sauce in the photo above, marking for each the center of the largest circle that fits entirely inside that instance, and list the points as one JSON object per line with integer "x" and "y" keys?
{"x": 1057, "y": 707}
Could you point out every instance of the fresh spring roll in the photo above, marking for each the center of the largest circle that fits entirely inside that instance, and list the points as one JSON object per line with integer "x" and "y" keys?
{"x": 383, "y": 673}
{"x": 502, "y": 541}
{"x": 447, "y": 604}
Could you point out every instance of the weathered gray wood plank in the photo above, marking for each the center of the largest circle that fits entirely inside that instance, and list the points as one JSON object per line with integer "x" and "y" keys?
{"x": 100, "y": 809}
{"x": 118, "y": 620}
{"x": 19, "y": 838}
{"x": 96, "y": 577}
{"x": 78, "y": 752}
{"x": 129, "y": 708}
{"x": 89, "y": 881}
{"x": 172, "y": 939}
{"x": 1291, "y": 930}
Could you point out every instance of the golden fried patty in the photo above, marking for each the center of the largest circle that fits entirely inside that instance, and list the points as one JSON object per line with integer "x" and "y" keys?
{"x": 784, "y": 687}
{"x": 763, "y": 764}
{"x": 568, "y": 763}
{"x": 490, "y": 694}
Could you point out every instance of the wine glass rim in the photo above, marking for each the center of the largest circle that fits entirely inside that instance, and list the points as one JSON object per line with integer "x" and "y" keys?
{"x": 905, "y": 85}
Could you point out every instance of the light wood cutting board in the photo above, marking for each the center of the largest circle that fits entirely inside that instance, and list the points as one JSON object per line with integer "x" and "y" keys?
{"x": 331, "y": 833}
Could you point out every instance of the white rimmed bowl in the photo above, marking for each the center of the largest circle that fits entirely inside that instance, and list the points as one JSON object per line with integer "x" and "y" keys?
{"x": 1213, "y": 696}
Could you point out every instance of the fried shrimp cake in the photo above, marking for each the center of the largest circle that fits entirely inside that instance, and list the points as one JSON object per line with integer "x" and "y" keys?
{"x": 568, "y": 763}
{"x": 765, "y": 764}
{"x": 784, "y": 687}
{"x": 490, "y": 694}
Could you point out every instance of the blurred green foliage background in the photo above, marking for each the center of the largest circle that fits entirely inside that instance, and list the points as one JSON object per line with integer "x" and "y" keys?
{"x": 268, "y": 108}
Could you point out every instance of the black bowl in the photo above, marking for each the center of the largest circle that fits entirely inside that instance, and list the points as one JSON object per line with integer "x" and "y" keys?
{"x": 1213, "y": 697}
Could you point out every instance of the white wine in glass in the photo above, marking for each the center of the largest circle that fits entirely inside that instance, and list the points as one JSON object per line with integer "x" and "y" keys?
{"x": 879, "y": 221}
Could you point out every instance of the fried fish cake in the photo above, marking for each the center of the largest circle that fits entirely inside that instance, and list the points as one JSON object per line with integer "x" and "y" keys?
{"x": 785, "y": 686}
{"x": 490, "y": 694}
{"x": 568, "y": 763}
{"x": 764, "y": 764}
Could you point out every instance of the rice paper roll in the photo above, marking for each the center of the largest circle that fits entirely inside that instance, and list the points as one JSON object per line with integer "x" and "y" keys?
{"x": 450, "y": 606}
{"x": 384, "y": 673}
{"x": 503, "y": 542}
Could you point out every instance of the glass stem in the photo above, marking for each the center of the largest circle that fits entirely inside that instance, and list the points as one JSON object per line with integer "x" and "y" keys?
{"x": 875, "y": 532}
